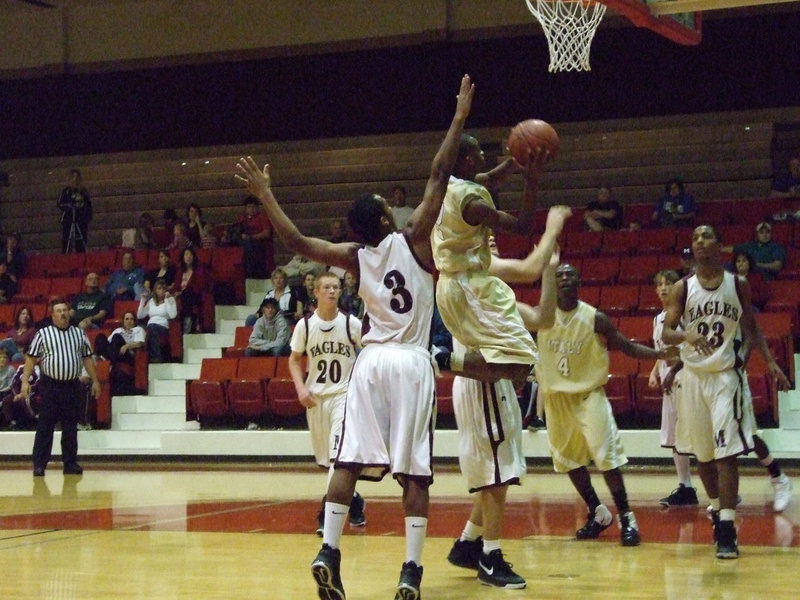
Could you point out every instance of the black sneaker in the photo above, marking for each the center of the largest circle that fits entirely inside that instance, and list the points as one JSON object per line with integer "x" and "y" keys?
{"x": 725, "y": 536}
{"x": 356, "y": 512}
{"x": 596, "y": 523}
{"x": 410, "y": 578}
{"x": 466, "y": 554}
{"x": 321, "y": 522}
{"x": 73, "y": 469}
{"x": 680, "y": 496}
{"x": 536, "y": 424}
{"x": 629, "y": 529}
{"x": 494, "y": 570}
{"x": 325, "y": 570}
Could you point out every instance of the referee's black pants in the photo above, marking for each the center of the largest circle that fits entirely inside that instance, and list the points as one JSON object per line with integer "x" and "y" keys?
{"x": 61, "y": 401}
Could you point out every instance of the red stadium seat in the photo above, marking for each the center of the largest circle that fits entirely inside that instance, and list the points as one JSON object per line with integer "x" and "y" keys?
{"x": 649, "y": 302}
{"x": 621, "y": 242}
{"x": 619, "y": 300}
{"x": 620, "y": 395}
{"x": 247, "y": 392}
{"x": 513, "y": 246}
{"x": 637, "y": 328}
{"x": 581, "y": 243}
{"x": 444, "y": 394}
{"x": 282, "y": 398}
{"x": 207, "y": 394}
{"x": 590, "y": 294}
{"x": 32, "y": 289}
{"x": 601, "y": 270}
{"x": 241, "y": 339}
{"x": 657, "y": 241}
{"x": 66, "y": 287}
{"x": 100, "y": 261}
{"x": 637, "y": 269}
{"x": 648, "y": 400}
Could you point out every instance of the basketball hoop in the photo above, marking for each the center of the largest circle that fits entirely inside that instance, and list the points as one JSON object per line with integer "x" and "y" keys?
{"x": 569, "y": 26}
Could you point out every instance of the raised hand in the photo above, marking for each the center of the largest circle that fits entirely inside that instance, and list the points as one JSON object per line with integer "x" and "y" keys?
{"x": 465, "y": 94}
{"x": 258, "y": 182}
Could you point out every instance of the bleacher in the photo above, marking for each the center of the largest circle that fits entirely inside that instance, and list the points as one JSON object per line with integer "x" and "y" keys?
{"x": 723, "y": 158}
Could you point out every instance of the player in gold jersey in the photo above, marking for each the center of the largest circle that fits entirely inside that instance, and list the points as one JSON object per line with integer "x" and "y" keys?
{"x": 572, "y": 371}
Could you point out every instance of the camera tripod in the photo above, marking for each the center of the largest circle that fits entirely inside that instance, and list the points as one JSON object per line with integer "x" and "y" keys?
{"x": 75, "y": 235}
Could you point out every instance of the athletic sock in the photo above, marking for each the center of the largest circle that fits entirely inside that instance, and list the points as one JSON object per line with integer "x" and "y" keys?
{"x": 471, "y": 532}
{"x": 683, "y": 468}
{"x": 335, "y": 517}
{"x": 416, "y": 528}
{"x": 490, "y": 545}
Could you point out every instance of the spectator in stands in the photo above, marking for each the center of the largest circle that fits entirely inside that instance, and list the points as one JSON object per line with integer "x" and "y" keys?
{"x": 743, "y": 264}
{"x": 90, "y": 307}
{"x": 15, "y": 257}
{"x": 207, "y": 237}
{"x": 8, "y": 287}
{"x": 400, "y": 211}
{"x": 270, "y": 336}
{"x": 770, "y": 256}
{"x": 144, "y": 231}
{"x": 338, "y": 232}
{"x": 297, "y": 268}
{"x": 604, "y": 212}
{"x": 288, "y": 304}
{"x": 180, "y": 240}
{"x": 687, "y": 262}
{"x": 350, "y": 302}
{"x": 6, "y": 372}
{"x": 76, "y": 209}
{"x": 21, "y": 412}
{"x": 20, "y": 336}
{"x": 256, "y": 239}
{"x": 676, "y": 207}
{"x": 170, "y": 218}
{"x": 194, "y": 224}
{"x": 120, "y": 348}
{"x": 159, "y": 308}
{"x": 305, "y": 294}
{"x": 165, "y": 270}
{"x": 789, "y": 184}
{"x": 192, "y": 284}
{"x": 127, "y": 282}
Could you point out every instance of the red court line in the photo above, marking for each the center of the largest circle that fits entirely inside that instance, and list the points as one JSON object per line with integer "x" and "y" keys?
{"x": 758, "y": 525}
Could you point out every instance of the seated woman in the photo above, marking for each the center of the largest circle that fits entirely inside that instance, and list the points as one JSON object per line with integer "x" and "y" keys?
{"x": 288, "y": 304}
{"x": 119, "y": 348}
{"x": 20, "y": 336}
{"x": 192, "y": 283}
{"x": 350, "y": 302}
{"x": 19, "y": 412}
{"x": 165, "y": 270}
{"x": 195, "y": 223}
{"x": 305, "y": 295}
{"x": 745, "y": 265}
{"x": 158, "y": 308}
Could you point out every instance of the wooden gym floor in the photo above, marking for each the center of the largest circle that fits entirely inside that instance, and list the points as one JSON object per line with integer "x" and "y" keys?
{"x": 245, "y": 531}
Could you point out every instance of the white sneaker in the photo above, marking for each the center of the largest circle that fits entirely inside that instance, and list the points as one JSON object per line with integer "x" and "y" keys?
{"x": 783, "y": 492}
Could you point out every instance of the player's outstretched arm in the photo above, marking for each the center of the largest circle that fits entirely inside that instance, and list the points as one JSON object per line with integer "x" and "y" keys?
{"x": 530, "y": 268}
{"x": 543, "y": 316}
{"x": 419, "y": 226}
{"x": 259, "y": 183}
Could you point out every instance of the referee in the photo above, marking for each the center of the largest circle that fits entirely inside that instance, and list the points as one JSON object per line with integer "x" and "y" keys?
{"x": 61, "y": 349}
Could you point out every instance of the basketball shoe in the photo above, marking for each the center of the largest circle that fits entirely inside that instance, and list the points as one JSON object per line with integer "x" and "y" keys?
{"x": 629, "y": 529}
{"x": 680, "y": 496}
{"x": 494, "y": 570}
{"x": 325, "y": 570}
{"x": 725, "y": 536}
{"x": 410, "y": 579}
{"x": 466, "y": 553}
{"x": 596, "y": 522}
{"x": 782, "y": 486}
{"x": 356, "y": 512}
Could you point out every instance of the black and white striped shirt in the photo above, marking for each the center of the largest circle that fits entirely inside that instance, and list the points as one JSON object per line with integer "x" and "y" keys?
{"x": 61, "y": 351}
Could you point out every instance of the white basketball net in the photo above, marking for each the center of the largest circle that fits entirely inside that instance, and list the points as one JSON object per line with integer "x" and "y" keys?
{"x": 569, "y": 26}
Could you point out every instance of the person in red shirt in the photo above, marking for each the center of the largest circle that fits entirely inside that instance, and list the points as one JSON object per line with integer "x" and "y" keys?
{"x": 259, "y": 252}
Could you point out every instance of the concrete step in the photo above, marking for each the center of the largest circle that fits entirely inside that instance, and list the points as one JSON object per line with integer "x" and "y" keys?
{"x": 148, "y": 404}
{"x": 167, "y": 387}
{"x": 238, "y": 311}
{"x": 229, "y": 325}
{"x": 261, "y": 286}
{"x": 196, "y": 355}
{"x": 254, "y": 299}
{"x": 158, "y": 422}
{"x": 207, "y": 340}
{"x": 174, "y": 371}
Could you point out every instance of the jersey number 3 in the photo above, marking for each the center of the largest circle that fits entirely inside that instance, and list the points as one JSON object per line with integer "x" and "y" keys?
{"x": 402, "y": 301}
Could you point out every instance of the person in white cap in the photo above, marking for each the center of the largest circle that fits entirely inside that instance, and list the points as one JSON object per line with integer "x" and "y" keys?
{"x": 770, "y": 256}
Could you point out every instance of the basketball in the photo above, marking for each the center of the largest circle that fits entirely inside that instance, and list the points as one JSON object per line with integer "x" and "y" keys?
{"x": 529, "y": 135}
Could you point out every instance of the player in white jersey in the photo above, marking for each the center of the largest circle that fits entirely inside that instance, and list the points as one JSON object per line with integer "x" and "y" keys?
{"x": 713, "y": 309}
{"x": 479, "y": 309}
{"x": 330, "y": 340}
{"x": 684, "y": 494}
{"x": 572, "y": 371}
{"x": 386, "y": 426}
{"x": 490, "y": 447}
